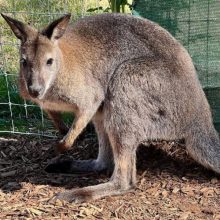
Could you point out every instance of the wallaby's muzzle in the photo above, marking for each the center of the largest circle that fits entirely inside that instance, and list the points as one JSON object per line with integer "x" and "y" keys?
{"x": 35, "y": 91}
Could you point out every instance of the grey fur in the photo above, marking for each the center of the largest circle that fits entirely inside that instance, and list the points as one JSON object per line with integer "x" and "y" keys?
{"x": 135, "y": 82}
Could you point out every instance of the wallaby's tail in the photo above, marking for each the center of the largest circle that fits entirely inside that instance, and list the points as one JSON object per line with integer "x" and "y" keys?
{"x": 204, "y": 146}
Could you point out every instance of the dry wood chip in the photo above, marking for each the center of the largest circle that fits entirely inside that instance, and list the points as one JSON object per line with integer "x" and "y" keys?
{"x": 185, "y": 215}
{"x": 100, "y": 209}
{"x": 207, "y": 191}
{"x": 216, "y": 217}
{"x": 35, "y": 211}
{"x": 12, "y": 148}
{"x": 165, "y": 193}
{"x": 3, "y": 162}
{"x": 3, "y": 154}
{"x": 187, "y": 190}
{"x": 8, "y": 174}
{"x": 175, "y": 190}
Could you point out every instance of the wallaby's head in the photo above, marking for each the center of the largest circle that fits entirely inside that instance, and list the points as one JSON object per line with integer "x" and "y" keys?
{"x": 40, "y": 57}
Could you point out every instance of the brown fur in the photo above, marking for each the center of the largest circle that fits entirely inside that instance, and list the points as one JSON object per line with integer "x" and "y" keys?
{"x": 58, "y": 122}
{"x": 127, "y": 75}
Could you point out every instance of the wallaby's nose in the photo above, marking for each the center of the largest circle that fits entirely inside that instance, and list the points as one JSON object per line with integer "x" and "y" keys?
{"x": 34, "y": 91}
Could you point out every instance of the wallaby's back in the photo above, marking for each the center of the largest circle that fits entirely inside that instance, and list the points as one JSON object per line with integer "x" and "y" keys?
{"x": 105, "y": 41}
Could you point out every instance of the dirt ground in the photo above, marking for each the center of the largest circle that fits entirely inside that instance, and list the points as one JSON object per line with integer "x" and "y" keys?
{"x": 169, "y": 186}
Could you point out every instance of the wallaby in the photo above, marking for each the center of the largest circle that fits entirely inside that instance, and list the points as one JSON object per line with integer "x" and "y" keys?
{"x": 128, "y": 76}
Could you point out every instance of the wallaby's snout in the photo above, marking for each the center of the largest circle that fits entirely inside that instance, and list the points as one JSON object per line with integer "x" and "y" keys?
{"x": 34, "y": 83}
{"x": 33, "y": 78}
{"x": 35, "y": 91}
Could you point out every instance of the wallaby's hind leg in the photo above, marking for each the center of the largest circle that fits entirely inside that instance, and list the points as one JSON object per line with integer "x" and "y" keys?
{"x": 122, "y": 180}
{"x": 104, "y": 161}
{"x": 57, "y": 121}
{"x": 105, "y": 157}
{"x": 203, "y": 146}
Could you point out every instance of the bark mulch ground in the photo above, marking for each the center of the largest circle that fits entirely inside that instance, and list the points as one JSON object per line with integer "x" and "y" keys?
{"x": 170, "y": 186}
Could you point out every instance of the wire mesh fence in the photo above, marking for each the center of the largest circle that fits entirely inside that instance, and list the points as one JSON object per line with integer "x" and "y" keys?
{"x": 16, "y": 114}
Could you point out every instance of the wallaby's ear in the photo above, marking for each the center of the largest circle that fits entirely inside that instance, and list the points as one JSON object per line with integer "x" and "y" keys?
{"x": 57, "y": 28}
{"x": 21, "y": 31}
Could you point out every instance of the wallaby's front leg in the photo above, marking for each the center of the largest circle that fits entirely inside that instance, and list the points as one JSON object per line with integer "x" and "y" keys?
{"x": 104, "y": 161}
{"x": 57, "y": 121}
{"x": 80, "y": 122}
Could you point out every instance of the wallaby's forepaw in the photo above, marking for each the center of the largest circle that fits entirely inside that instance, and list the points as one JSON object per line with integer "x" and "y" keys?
{"x": 62, "y": 146}
{"x": 59, "y": 166}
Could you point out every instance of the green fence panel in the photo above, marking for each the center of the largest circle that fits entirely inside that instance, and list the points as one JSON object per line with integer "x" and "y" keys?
{"x": 196, "y": 24}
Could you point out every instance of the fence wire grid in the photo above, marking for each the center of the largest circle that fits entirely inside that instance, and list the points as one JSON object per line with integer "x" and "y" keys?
{"x": 195, "y": 23}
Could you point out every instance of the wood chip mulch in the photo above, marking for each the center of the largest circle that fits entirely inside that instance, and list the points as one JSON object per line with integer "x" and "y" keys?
{"x": 170, "y": 185}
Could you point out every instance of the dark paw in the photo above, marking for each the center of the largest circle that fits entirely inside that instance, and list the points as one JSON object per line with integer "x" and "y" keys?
{"x": 76, "y": 167}
{"x": 63, "y": 166}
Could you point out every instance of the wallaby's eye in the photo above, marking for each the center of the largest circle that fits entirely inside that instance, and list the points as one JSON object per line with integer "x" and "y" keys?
{"x": 23, "y": 62}
{"x": 49, "y": 61}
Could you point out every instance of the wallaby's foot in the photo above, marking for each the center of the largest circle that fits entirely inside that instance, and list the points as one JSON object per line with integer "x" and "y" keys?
{"x": 93, "y": 192}
{"x": 77, "y": 166}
